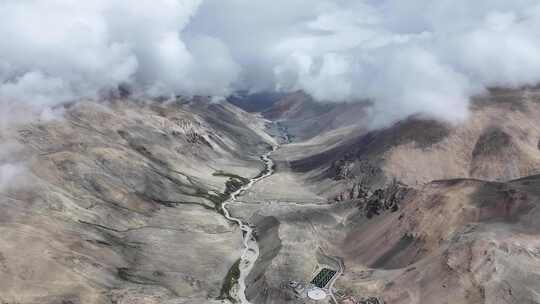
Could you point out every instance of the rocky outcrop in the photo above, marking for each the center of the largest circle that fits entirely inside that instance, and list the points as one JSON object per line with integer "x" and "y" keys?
{"x": 375, "y": 202}
{"x": 386, "y": 199}
{"x": 355, "y": 192}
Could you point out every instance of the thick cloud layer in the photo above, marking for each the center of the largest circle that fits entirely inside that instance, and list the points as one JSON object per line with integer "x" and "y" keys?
{"x": 406, "y": 56}
{"x": 63, "y": 49}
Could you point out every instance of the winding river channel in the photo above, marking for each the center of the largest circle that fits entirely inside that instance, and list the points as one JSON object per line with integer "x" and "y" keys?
{"x": 250, "y": 251}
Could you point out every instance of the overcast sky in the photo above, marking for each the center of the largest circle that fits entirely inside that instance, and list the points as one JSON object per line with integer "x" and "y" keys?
{"x": 409, "y": 56}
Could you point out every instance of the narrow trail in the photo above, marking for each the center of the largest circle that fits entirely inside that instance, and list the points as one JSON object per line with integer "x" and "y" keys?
{"x": 335, "y": 278}
{"x": 250, "y": 251}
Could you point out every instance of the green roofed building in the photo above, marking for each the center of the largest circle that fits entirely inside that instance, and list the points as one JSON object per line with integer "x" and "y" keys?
{"x": 323, "y": 277}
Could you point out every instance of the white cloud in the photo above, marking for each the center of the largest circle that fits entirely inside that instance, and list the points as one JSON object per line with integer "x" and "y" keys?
{"x": 62, "y": 49}
{"x": 406, "y": 56}
{"x": 12, "y": 176}
{"x": 13, "y": 173}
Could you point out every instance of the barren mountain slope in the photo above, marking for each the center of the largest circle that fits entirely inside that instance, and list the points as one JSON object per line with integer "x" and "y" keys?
{"x": 451, "y": 241}
{"x": 454, "y": 241}
{"x": 405, "y": 237}
{"x": 117, "y": 202}
{"x": 498, "y": 142}
{"x": 305, "y": 118}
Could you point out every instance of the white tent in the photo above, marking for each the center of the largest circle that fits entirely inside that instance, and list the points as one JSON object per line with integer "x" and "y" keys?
{"x": 316, "y": 293}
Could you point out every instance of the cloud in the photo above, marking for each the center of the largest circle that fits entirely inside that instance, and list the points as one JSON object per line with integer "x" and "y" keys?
{"x": 13, "y": 172}
{"x": 63, "y": 49}
{"x": 406, "y": 56}
{"x": 12, "y": 175}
